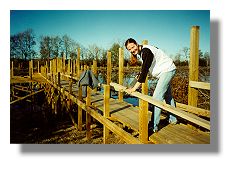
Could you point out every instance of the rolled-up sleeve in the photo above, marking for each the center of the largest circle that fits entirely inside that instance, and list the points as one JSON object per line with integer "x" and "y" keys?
{"x": 147, "y": 57}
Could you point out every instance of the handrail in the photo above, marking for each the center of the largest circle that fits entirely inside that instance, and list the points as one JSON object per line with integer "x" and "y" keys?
{"x": 190, "y": 117}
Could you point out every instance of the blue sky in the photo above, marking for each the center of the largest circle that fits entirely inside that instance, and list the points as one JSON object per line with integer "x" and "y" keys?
{"x": 167, "y": 29}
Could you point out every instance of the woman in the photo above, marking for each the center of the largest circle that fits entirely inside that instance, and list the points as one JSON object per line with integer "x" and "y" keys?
{"x": 160, "y": 66}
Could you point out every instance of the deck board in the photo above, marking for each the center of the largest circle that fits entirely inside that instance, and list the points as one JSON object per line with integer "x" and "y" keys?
{"x": 179, "y": 134}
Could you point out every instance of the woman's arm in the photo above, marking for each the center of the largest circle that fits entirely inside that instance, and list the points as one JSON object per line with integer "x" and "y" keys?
{"x": 130, "y": 90}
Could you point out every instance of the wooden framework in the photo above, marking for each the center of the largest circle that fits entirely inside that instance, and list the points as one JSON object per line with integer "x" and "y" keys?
{"x": 59, "y": 70}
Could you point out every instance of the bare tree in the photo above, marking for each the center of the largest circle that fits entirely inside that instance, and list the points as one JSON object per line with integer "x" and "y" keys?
{"x": 22, "y": 45}
{"x": 185, "y": 51}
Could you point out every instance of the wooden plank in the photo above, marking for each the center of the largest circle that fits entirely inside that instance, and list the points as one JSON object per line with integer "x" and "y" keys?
{"x": 22, "y": 98}
{"x": 194, "y": 110}
{"x": 21, "y": 89}
{"x": 199, "y": 85}
{"x": 179, "y": 134}
{"x": 190, "y": 117}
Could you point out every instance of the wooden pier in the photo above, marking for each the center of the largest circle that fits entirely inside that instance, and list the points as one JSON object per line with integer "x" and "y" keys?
{"x": 107, "y": 110}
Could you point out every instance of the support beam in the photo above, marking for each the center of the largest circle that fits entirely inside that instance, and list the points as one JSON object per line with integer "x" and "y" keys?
{"x": 22, "y": 98}
{"x": 199, "y": 85}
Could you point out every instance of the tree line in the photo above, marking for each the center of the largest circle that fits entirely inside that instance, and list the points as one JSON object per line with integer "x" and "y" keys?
{"x": 23, "y": 44}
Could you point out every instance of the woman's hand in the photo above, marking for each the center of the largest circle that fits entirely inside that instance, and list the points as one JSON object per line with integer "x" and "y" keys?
{"x": 130, "y": 90}
{"x": 133, "y": 89}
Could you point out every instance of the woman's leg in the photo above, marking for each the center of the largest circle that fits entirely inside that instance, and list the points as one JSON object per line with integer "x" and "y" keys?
{"x": 159, "y": 94}
{"x": 170, "y": 100}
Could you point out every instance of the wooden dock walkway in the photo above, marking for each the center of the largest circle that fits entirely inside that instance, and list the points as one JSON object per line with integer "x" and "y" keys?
{"x": 127, "y": 115}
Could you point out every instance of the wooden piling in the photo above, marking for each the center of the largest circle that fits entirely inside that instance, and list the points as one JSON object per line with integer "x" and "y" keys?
{"x": 109, "y": 67}
{"x": 88, "y": 116}
{"x": 94, "y": 70}
{"x": 79, "y": 109}
{"x": 193, "y": 65}
{"x": 143, "y": 112}
{"x": 143, "y": 115}
{"x": 78, "y": 62}
{"x": 106, "y": 111}
{"x": 38, "y": 67}
{"x": 68, "y": 67}
{"x": 63, "y": 64}
{"x": 12, "y": 69}
{"x": 121, "y": 70}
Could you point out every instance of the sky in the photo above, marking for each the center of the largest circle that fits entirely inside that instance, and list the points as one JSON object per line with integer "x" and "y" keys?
{"x": 166, "y": 29}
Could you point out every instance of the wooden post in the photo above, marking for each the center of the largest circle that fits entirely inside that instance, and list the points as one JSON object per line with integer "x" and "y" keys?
{"x": 106, "y": 110}
{"x": 94, "y": 69}
{"x": 68, "y": 70}
{"x": 193, "y": 65}
{"x": 38, "y": 67}
{"x": 74, "y": 67}
{"x": 82, "y": 68}
{"x": 88, "y": 116}
{"x": 80, "y": 109}
{"x": 109, "y": 67}
{"x": 63, "y": 64}
{"x": 78, "y": 63}
{"x": 12, "y": 69}
{"x": 143, "y": 112}
{"x": 50, "y": 67}
{"x": 85, "y": 67}
{"x": 143, "y": 115}
{"x": 32, "y": 66}
{"x": 121, "y": 65}
{"x": 55, "y": 67}
{"x": 30, "y": 69}
{"x": 59, "y": 79}
{"x": 145, "y": 42}
{"x": 46, "y": 70}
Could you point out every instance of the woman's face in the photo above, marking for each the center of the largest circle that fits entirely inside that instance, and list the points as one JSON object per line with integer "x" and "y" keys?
{"x": 133, "y": 48}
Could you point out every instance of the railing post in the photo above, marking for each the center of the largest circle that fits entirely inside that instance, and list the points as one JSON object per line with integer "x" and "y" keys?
{"x": 68, "y": 67}
{"x": 109, "y": 67}
{"x": 121, "y": 64}
{"x": 38, "y": 67}
{"x": 78, "y": 63}
{"x": 94, "y": 69}
{"x": 106, "y": 111}
{"x": 63, "y": 64}
{"x": 80, "y": 109}
{"x": 143, "y": 111}
{"x": 88, "y": 116}
{"x": 193, "y": 65}
{"x": 59, "y": 79}
{"x": 12, "y": 69}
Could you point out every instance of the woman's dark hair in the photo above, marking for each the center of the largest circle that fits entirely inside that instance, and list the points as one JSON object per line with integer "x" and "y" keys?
{"x": 130, "y": 40}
